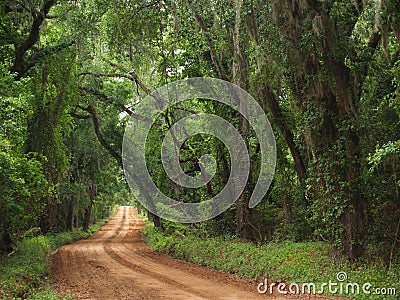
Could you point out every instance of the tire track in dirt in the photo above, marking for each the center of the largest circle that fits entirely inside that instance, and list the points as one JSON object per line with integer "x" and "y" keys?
{"x": 116, "y": 264}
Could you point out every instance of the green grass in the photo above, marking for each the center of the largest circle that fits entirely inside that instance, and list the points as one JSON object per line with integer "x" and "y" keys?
{"x": 25, "y": 274}
{"x": 307, "y": 262}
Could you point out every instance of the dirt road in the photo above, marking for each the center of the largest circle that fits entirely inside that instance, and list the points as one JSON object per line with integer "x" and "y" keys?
{"x": 116, "y": 264}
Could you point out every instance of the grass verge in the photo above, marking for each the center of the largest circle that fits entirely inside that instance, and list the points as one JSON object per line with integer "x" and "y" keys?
{"x": 289, "y": 262}
{"x": 25, "y": 274}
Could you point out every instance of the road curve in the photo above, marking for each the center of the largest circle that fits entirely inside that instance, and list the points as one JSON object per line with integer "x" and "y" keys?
{"x": 116, "y": 264}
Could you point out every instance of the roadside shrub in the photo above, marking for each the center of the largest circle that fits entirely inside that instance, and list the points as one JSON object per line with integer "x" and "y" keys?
{"x": 290, "y": 262}
{"x": 24, "y": 275}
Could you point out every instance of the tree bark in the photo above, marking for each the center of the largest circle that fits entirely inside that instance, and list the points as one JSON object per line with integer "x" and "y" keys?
{"x": 244, "y": 220}
{"x": 70, "y": 216}
{"x": 263, "y": 91}
{"x": 332, "y": 99}
{"x": 92, "y": 189}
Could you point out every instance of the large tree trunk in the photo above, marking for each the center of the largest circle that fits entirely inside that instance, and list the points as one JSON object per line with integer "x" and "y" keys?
{"x": 327, "y": 94}
{"x": 43, "y": 142}
{"x": 70, "y": 216}
{"x": 266, "y": 95}
{"x": 244, "y": 220}
{"x": 92, "y": 189}
{"x": 353, "y": 218}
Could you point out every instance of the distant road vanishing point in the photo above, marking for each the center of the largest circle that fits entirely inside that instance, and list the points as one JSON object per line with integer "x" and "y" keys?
{"x": 116, "y": 264}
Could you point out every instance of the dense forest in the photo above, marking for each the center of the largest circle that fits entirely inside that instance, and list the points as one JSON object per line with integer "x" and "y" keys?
{"x": 325, "y": 72}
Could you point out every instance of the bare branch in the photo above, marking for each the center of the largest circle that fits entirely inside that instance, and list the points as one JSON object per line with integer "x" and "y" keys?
{"x": 130, "y": 74}
{"x": 186, "y": 109}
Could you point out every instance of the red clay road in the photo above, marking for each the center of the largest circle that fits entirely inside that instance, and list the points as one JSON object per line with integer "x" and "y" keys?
{"x": 116, "y": 264}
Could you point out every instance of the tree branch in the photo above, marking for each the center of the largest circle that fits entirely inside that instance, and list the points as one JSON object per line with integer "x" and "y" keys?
{"x": 79, "y": 116}
{"x": 221, "y": 72}
{"x": 136, "y": 78}
{"x": 110, "y": 101}
{"x": 32, "y": 39}
{"x": 133, "y": 75}
{"x": 362, "y": 74}
{"x": 90, "y": 109}
{"x": 112, "y": 75}
{"x": 38, "y": 56}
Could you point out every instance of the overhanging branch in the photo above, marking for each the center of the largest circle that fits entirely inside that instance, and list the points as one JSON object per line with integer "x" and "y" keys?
{"x": 38, "y": 56}
{"x": 111, "y": 75}
{"x": 110, "y": 101}
{"x": 31, "y": 39}
{"x": 132, "y": 75}
{"x": 90, "y": 109}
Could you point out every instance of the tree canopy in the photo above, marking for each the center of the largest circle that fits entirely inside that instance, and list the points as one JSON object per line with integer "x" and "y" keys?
{"x": 326, "y": 73}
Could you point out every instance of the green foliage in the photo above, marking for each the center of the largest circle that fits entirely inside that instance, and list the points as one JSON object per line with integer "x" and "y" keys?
{"x": 25, "y": 274}
{"x": 23, "y": 184}
{"x": 387, "y": 151}
{"x": 332, "y": 68}
{"x": 21, "y": 176}
{"x": 290, "y": 262}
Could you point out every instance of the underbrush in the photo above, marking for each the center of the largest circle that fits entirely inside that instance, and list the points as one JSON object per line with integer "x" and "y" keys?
{"x": 24, "y": 275}
{"x": 288, "y": 262}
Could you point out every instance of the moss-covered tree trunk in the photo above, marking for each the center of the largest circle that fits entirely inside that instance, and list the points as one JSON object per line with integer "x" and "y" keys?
{"x": 327, "y": 92}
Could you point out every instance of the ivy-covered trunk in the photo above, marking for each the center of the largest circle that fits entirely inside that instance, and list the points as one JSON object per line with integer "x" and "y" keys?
{"x": 45, "y": 133}
{"x": 327, "y": 92}
{"x": 334, "y": 184}
{"x": 352, "y": 218}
